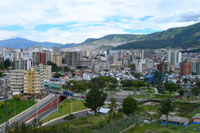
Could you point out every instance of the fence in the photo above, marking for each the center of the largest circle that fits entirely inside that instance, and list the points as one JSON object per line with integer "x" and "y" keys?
{"x": 119, "y": 125}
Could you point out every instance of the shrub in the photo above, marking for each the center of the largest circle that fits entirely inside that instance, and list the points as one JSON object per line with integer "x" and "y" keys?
{"x": 2, "y": 104}
{"x": 70, "y": 117}
{"x": 16, "y": 97}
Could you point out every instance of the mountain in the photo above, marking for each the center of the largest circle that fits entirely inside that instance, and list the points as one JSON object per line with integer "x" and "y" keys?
{"x": 182, "y": 37}
{"x": 24, "y": 43}
{"x": 112, "y": 38}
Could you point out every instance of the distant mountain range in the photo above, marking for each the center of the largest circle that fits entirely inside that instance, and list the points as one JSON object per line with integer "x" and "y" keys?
{"x": 182, "y": 37}
{"x": 24, "y": 43}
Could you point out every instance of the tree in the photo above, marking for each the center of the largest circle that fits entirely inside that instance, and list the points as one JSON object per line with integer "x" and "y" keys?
{"x": 57, "y": 75}
{"x": 95, "y": 99}
{"x": 16, "y": 97}
{"x": 171, "y": 87}
{"x": 72, "y": 85}
{"x": 181, "y": 92}
{"x": 195, "y": 91}
{"x": 54, "y": 67}
{"x": 66, "y": 69}
{"x": 165, "y": 108}
{"x": 198, "y": 84}
{"x": 129, "y": 105}
{"x": 7, "y": 63}
{"x": 132, "y": 67}
{"x": 113, "y": 105}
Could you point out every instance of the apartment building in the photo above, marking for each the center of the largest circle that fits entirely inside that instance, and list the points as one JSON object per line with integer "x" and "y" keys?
{"x": 17, "y": 80}
{"x": 33, "y": 81}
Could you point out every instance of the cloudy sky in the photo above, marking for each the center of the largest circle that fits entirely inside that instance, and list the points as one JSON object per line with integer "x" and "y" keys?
{"x": 67, "y": 21}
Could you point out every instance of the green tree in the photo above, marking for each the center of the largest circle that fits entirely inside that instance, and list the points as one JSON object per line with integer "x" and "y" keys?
{"x": 129, "y": 105}
{"x": 181, "y": 92}
{"x": 113, "y": 105}
{"x": 198, "y": 84}
{"x": 57, "y": 75}
{"x": 171, "y": 87}
{"x": 95, "y": 98}
{"x": 2, "y": 67}
{"x": 132, "y": 67}
{"x": 165, "y": 108}
{"x": 54, "y": 67}
{"x": 7, "y": 63}
{"x": 72, "y": 85}
{"x": 195, "y": 91}
{"x": 66, "y": 69}
{"x": 16, "y": 97}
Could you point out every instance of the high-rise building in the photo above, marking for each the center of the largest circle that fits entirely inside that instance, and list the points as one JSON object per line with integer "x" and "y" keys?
{"x": 174, "y": 57}
{"x": 23, "y": 64}
{"x": 41, "y": 58}
{"x": 198, "y": 68}
{"x": 72, "y": 59}
{"x": 17, "y": 80}
{"x": 33, "y": 81}
{"x": 57, "y": 59}
{"x": 185, "y": 68}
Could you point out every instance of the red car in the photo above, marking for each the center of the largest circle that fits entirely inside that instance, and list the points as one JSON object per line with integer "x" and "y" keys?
{"x": 82, "y": 96}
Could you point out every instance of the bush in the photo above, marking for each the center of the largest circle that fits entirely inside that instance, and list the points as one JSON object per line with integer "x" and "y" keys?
{"x": 2, "y": 104}
{"x": 16, "y": 97}
{"x": 70, "y": 117}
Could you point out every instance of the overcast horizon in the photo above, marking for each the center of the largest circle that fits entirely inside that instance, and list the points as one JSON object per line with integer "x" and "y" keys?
{"x": 70, "y": 21}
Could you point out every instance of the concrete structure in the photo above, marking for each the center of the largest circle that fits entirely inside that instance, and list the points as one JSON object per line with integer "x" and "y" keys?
{"x": 41, "y": 58}
{"x": 23, "y": 64}
{"x": 17, "y": 80}
{"x": 174, "y": 120}
{"x": 34, "y": 81}
{"x": 185, "y": 68}
{"x": 72, "y": 59}
{"x": 57, "y": 59}
{"x": 196, "y": 119}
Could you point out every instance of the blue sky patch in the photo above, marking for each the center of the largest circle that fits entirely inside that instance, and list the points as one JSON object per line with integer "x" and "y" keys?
{"x": 145, "y": 18}
{"x": 12, "y": 28}
{"x": 46, "y": 27}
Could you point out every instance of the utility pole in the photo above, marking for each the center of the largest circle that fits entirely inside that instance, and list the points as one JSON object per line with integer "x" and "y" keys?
{"x": 6, "y": 104}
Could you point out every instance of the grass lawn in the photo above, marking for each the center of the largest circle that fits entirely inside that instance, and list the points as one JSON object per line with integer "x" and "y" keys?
{"x": 83, "y": 125}
{"x": 142, "y": 96}
{"x": 148, "y": 111}
{"x": 158, "y": 128}
{"x": 20, "y": 105}
{"x": 65, "y": 108}
{"x": 185, "y": 110}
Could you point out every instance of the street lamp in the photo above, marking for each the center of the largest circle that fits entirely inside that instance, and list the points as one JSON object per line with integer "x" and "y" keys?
{"x": 71, "y": 99}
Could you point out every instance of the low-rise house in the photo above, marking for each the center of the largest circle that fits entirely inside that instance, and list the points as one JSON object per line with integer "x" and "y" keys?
{"x": 196, "y": 119}
{"x": 174, "y": 120}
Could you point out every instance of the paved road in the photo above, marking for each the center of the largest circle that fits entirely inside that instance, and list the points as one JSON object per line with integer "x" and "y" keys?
{"x": 29, "y": 112}
{"x": 78, "y": 115}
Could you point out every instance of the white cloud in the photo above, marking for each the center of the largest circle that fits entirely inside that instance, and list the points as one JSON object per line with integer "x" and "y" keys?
{"x": 114, "y": 15}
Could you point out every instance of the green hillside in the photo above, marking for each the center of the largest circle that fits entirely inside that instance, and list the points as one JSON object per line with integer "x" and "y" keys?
{"x": 184, "y": 37}
{"x": 113, "y": 38}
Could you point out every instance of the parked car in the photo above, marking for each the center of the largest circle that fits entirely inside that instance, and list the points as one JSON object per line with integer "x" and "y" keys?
{"x": 82, "y": 96}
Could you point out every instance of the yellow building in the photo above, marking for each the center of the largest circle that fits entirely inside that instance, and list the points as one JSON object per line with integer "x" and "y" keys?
{"x": 34, "y": 79}
{"x": 57, "y": 59}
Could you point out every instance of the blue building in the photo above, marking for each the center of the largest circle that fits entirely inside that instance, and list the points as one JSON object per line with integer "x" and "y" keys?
{"x": 174, "y": 120}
